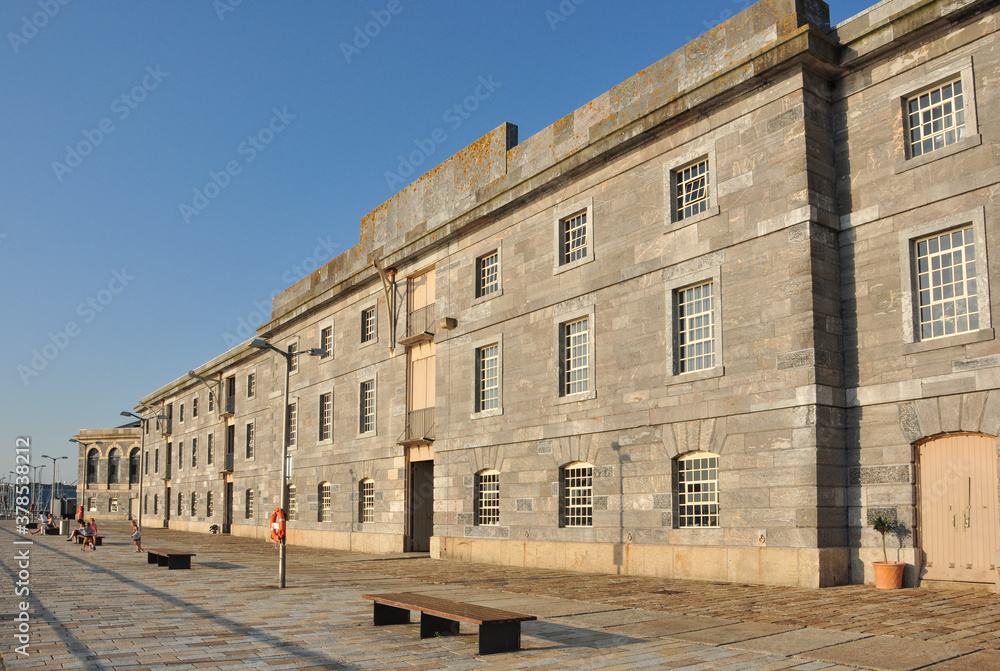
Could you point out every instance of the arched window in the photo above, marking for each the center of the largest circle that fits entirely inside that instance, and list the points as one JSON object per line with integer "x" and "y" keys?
{"x": 92, "y": 459}
{"x": 697, "y": 482}
{"x": 194, "y": 504}
{"x": 366, "y": 500}
{"x": 156, "y": 504}
{"x": 293, "y": 504}
{"x": 324, "y": 502}
{"x": 114, "y": 466}
{"x": 488, "y": 497}
{"x": 180, "y": 503}
{"x": 577, "y": 501}
{"x": 133, "y": 466}
{"x": 249, "y": 503}
{"x": 145, "y": 504}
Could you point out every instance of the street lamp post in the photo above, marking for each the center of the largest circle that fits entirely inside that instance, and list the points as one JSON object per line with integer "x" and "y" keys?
{"x": 143, "y": 424}
{"x": 283, "y": 488}
{"x": 52, "y": 492}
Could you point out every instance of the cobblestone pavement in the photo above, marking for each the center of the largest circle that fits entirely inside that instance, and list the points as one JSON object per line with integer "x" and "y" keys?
{"x": 109, "y": 609}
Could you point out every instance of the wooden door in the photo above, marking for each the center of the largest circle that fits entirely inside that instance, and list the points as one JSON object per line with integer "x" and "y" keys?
{"x": 957, "y": 508}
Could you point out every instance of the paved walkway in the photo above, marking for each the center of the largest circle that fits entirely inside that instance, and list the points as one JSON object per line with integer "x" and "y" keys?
{"x": 109, "y": 609}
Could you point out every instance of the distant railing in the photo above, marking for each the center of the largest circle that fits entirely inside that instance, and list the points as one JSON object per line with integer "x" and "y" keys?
{"x": 421, "y": 321}
{"x": 420, "y": 424}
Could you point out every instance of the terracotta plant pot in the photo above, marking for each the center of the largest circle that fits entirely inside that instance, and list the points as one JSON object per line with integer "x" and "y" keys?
{"x": 888, "y": 575}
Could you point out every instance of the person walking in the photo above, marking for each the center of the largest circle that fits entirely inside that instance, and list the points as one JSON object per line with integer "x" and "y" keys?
{"x": 136, "y": 537}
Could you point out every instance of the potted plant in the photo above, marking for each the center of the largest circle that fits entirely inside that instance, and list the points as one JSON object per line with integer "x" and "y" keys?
{"x": 888, "y": 574}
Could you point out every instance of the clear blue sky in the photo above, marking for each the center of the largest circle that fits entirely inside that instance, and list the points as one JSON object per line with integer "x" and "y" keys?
{"x": 115, "y": 113}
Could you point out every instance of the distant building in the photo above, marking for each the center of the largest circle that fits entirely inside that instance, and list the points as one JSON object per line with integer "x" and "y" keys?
{"x": 108, "y": 478}
{"x": 706, "y": 326}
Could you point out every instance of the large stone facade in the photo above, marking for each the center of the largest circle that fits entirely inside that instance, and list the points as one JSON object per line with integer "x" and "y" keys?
{"x": 551, "y": 418}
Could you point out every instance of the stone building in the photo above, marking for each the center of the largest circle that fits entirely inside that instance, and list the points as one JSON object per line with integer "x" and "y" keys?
{"x": 706, "y": 326}
{"x": 108, "y": 477}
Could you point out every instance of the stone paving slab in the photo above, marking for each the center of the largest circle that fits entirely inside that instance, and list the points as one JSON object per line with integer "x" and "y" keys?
{"x": 797, "y": 641}
{"x": 887, "y": 653}
{"x": 670, "y": 625}
{"x": 610, "y": 618}
{"x": 984, "y": 660}
{"x": 732, "y": 633}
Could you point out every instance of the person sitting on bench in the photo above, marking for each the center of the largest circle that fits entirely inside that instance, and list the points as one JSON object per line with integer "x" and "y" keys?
{"x": 49, "y": 523}
{"x": 78, "y": 532}
{"x": 88, "y": 534}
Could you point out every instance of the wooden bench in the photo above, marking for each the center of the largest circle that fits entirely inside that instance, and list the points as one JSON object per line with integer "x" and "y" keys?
{"x": 169, "y": 558}
{"x": 499, "y": 630}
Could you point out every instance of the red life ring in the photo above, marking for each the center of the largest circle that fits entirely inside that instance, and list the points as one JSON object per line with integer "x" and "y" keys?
{"x": 277, "y": 526}
{"x": 79, "y": 512}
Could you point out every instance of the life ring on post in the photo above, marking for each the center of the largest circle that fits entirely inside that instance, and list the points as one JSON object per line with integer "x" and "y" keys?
{"x": 277, "y": 526}
{"x": 79, "y": 512}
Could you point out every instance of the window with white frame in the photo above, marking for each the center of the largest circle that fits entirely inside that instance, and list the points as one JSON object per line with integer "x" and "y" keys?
{"x": 325, "y": 416}
{"x": 249, "y": 504}
{"x": 695, "y": 328}
{"x": 194, "y": 408}
{"x": 293, "y": 503}
{"x": 488, "y": 274}
{"x": 251, "y": 385}
{"x": 145, "y": 504}
{"x": 209, "y": 504}
{"x": 947, "y": 292}
{"x": 324, "y": 502}
{"x": 575, "y": 356}
{"x": 194, "y": 504}
{"x": 114, "y": 504}
{"x": 211, "y": 401}
{"x": 180, "y": 454}
{"x": 577, "y": 495}
{"x": 488, "y": 377}
{"x": 935, "y": 118}
{"x": 180, "y": 503}
{"x": 691, "y": 190}
{"x": 488, "y": 497}
{"x": 366, "y": 423}
{"x": 366, "y": 498}
{"x": 293, "y": 350}
{"x": 292, "y": 418}
{"x": 697, "y": 481}
{"x": 182, "y": 413}
{"x": 326, "y": 341}
{"x": 156, "y": 504}
{"x": 92, "y": 505}
{"x": 368, "y": 325}
{"x": 574, "y": 243}
{"x": 194, "y": 452}
{"x": 210, "y": 449}
{"x": 250, "y": 440}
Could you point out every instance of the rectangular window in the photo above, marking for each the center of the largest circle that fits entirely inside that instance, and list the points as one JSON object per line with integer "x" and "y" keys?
{"x": 488, "y": 498}
{"x": 936, "y": 118}
{"x": 324, "y": 502}
{"x": 210, "y": 449}
{"x": 156, "y": 460}
{"x": 211, "y": 401}
{"x": 194, "y": 504}
{"x": 292, "y": 418}
{"x": 575, "y": 357}
{"x": 326, "y": 341}
{"x": 488, "y": 274}
{"x": 194, "y": 452}
{"x": 948, "y": 298}
{"x": 325, "y": 416}
{"x": 578, "y": 495}
{"x": 691, "y": 190}
{"x": 293, "y": 504}
{"x": 181, "y": 418}
{"x": 368, "y": 325}
{"x": 180, "y": 455}
{"x": 209, "y": 505}
{"x": 249, "y": 440}
{"x": 194, "y": 408}
{"x": 368, "y": 501}
{"x": 367, "y": 411}
{"x": 92, "y": 505}
{"x": 488, "y": 378}
{"x": 698, "y": 491}
{"x": 249, "y": 504}
{"x": 293, "y": 366}
{"x": 114, "y": 504}
{"x": 180, "y": 503}
{"x": 251, "y": 385}
{"x": 574, "y": 238}
{"x": 695, "y": 328}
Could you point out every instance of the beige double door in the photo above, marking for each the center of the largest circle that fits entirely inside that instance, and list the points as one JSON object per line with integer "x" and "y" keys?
{"x": 957, "y": 507}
